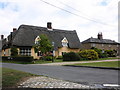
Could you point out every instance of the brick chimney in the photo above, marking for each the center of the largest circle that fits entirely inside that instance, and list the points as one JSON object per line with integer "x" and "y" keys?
{"x": 14, "y": 29}
{"x": 2, "y": 37}
{"x": 49, "y": 25}
{"x": 100, "y": 36}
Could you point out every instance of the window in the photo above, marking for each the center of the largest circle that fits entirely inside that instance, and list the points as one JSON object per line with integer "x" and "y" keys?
{"x": 117, "y": 45}
{"x": 93, "y": 45}
{"x": 109, "y": 45}
{"x": 39, "y": 53}
{"x": 63, "y": 53}
{"x": 25, "y": 51}
{"x": 37, "y": 39}
{"x": 65, "y": 42}
{"x": 102, "y": 45}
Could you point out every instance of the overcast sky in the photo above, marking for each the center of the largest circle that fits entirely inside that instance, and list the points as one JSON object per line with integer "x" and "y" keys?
{"x": 87, "y": 17}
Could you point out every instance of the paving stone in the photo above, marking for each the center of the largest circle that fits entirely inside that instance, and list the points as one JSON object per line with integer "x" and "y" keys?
{"x": 46, "y": 82}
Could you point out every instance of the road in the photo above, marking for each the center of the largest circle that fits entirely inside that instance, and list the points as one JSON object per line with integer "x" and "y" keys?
{"x": 88, "y": 76}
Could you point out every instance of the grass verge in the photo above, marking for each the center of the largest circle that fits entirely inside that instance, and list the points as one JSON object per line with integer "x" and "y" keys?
{"x": 115, "y": 64}
{"x": 55, "y": 60}
{"x": 36, "y": 62}
{"x": 10, "y": 77}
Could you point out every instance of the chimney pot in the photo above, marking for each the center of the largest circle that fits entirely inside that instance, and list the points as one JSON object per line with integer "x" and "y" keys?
{"x": 100, "y": 36}
{"x": 49, "y": 25}
{"x": 2, "y": 37}
{"x": 14, "y": 29}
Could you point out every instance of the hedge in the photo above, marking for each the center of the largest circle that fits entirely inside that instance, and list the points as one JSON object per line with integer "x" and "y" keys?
{"x": 18, "y": 58}
{"x": 88, "y": 55}
{"x": 71, "y": 56}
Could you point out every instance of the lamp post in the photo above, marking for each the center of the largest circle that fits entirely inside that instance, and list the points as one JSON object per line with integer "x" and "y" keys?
{"x": 53, "y": 43}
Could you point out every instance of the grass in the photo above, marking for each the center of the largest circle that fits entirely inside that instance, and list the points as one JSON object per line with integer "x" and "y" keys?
{"x": 55, "y": 60}
{"x": 11, "y": 77}
{"x": 36, "y": 62}
{"x": 115, "y": 64}
{"x": 43, "y": 61}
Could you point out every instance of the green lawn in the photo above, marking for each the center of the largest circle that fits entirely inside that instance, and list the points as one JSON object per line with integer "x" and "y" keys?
{"x": 101, "y": 64}
{"x": 11, "y": 77}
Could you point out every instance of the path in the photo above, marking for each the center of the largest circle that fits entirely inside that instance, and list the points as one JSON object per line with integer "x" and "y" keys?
{"x": 76, "y": 62}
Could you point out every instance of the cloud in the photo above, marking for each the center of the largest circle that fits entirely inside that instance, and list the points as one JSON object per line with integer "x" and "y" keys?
{"x": 89, "y": 16}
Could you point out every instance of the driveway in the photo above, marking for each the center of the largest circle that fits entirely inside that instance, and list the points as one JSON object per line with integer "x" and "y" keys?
{"x": 89, "y": 76}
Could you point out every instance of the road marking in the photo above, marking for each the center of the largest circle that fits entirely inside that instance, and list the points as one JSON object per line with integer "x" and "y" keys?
{"x": 111, "y": 85}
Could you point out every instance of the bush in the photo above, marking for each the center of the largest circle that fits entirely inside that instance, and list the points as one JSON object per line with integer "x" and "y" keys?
{"x": 103, "y": 55}
{"x": 14, "y": 51}
{"x": 88, "y": 55}
{"x": 100, "y": 52}
{"x": 48, "y": 58}
{"x": 71, "y": 56}
{"x": 18, "y": 58}
{"x": 111, "y": 53}
{"x": 59, "y": 57}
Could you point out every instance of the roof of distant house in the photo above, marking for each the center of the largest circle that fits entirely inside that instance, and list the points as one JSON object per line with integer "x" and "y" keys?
{"x": 102, "y": 41}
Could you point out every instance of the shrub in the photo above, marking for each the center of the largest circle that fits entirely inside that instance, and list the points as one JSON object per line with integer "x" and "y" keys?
{"x": 88, "y": 54}
{"x": 59, "y": 57}
{"x": 100, "y": 52}
{"x": 14, "y": 51}
{"x": 103, "y": 55}
{"x": 18, "y": 58}
{"x": 111, "y": 53}
{"x": 48, "y": 58}
{"x": 71, "y": 56}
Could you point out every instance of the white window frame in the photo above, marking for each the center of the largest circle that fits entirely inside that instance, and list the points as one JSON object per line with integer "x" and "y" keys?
{"x": 109, "y": 45}
{"x": 102, "y": 45}
{"x": 25, "y": 51}
{"x": 64, "y": 42}
{"x": 93, "y": 45}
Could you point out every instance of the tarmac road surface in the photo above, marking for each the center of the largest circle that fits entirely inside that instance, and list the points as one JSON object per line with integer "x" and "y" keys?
{"x": 82, "y": 75}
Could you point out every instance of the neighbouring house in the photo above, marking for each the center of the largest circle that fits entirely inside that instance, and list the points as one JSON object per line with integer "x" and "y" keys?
{"x": 26, "y": 36}
{"x": 99, "y": 42}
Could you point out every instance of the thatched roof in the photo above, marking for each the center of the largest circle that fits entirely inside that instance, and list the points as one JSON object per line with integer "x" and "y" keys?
{"x": 26, "y": 35}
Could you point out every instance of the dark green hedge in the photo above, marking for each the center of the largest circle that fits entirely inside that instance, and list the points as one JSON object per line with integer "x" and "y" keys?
{"x": 71, "y": 56}
{"x": 18, "y": 58}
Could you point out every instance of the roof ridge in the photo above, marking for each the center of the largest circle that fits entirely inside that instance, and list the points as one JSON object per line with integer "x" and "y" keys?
{"x": 22, "y": 25}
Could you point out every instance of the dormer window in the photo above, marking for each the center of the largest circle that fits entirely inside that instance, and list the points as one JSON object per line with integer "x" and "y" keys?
{"x": 7, "y": 39}
{"x": 37, "y": 39}
{"x": 65, "y": 42}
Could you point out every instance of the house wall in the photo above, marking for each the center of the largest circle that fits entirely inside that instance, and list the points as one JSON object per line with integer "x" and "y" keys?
{"x": 101, "y": 46}
{"x": 86, "y": 46}
{"x": 34, "y": 54}
{"x": 57, "y": 53}
{"x": 6, "y": 52}
{"x": 106, "y": 46}
{"x": 65, "y": 49}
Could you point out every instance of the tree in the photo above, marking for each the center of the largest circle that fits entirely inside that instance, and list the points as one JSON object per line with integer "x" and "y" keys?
{"x": 14, "y": 51}
{"x": 43, "y": 44}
